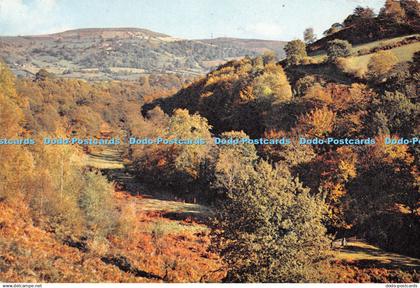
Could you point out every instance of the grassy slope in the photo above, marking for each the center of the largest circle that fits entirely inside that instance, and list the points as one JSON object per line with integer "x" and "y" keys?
{"x": 360, "y": 251}
{"x": 374, "y": 44}
{"x": 403, "y": 53}
{"x": 360, "y": 262}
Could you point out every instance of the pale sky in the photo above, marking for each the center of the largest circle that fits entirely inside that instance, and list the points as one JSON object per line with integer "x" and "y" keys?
{"x": 191, "y": 19}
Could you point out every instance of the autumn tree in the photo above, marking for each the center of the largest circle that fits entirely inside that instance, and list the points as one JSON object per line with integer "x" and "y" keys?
{"x": 317, "y": 93}
{"x": 182, "y": 125}
{"x": 392, "y": 10}
{"x": 333, "y": 29}
{"x": 224, "y": 169}
{"x": 329, "y": 174}
{"x": 338, "y": 48}
{"x": 403, "y": 77}
{"x": 411, "y": 8}
{"x": 177, "y": 163}
{"x": 16, "y": 163}
{"x": 384, "y": 198}
{"x": 295, "y": 52}
{"x": 359, "y": 15}
{"x": 309, "y": 36}
{"x": 364, "y": 12}
{"x": 400, "y": 112}
{"x": 292, "y": 155}
{"x": 272, "y": 85}
{"x": 97, "y": 204}
{"x": 268, "y": 228}
{"x": 7, "y": 82}
{"x": 317, "y": 123}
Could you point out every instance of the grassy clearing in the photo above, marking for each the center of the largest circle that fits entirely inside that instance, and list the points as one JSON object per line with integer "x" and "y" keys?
{"x": 360, "y": 251}
{"x": 403, "y": 53}
{"x": 148, "y": 202}
{"x": 107, "y": 158}
{"x": 167, "y": 227}
{"x": 167, "y": 231}
{"x": 381, "y": 42}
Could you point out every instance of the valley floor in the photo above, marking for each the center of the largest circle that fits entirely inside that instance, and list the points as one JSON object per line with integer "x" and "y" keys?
{"x": 358, "y": 261}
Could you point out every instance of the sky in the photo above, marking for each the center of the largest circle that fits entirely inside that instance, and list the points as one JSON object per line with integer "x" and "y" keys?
{"x": 189, "y": 19}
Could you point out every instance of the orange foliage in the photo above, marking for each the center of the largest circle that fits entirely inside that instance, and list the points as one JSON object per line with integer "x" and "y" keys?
{"x": 29, "y": 254}
{"x": 391, "y": 154}
{"x": 354, "y": 272}
{"x": 317, "y": 123}
{"x": 318, "y": 93}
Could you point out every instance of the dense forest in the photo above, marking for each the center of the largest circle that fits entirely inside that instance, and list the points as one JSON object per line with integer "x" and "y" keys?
{"x": 274, "y": 211}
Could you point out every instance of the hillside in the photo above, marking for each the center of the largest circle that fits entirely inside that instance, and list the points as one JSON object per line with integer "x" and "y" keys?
{"x": 329, "y": 98}
{"x": 366, "y": 32}
{"x": 122, "y": 53}
{"x": 251, "y": 44}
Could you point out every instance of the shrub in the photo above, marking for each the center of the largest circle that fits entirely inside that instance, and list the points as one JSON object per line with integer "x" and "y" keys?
{"x": 317, "y": 123}
{"x": 127, "y": 222}
{"x": 338, "y": 48}
{"x": 303, "y": 84}
{"x": 272, "y": 85}
{"x": 295, "y": 52}
{"x": 363, "y": 51}
{"x": 43, "y": 75}
{"x": 345, "y": 65}
{"x": 97, "y": 205}
{"x": 380, "y": 63}
{"x": 268, "y": 227}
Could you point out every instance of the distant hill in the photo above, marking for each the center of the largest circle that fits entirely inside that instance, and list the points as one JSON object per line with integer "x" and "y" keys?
{"x": 256, "y": 45}
{"x": 123, "y": 53}
{"x": 109, "y": 33}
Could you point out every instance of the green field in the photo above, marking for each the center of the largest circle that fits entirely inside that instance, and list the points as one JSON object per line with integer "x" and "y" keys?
{"x": 381, "y": 42}
{"x": 403, "y": 53}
